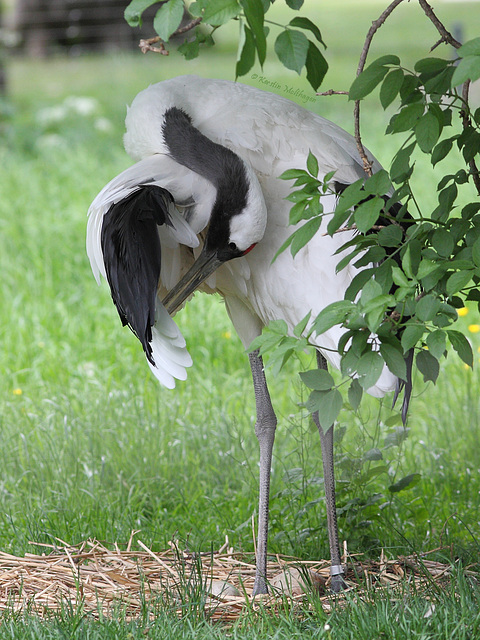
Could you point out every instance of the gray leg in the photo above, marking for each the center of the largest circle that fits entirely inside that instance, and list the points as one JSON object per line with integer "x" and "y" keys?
{"x": 326, "y": 439}
{"x": 265, "y": 431}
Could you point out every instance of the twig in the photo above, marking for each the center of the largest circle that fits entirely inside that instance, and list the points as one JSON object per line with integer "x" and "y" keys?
{"x": 376, "y": 24}
{"x": 331, "y": 92}
{"x": 146, "y": 45}
{"x": 446, "y": 36}
{"x": 188, "y": 27}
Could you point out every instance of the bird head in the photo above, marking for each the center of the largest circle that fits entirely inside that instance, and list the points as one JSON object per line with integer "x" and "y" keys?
{"x": 237, "y": 224}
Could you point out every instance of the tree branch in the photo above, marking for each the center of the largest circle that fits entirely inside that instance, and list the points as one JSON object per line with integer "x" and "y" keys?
{"x": 331, "y": 92}
{"x": 146, "y": 45}
{"x": 376, "y": 24}
{"x": 446, "y": 36}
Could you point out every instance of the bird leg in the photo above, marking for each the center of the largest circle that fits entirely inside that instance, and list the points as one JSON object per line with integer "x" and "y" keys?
{"x": 265, "y": 426}
{"x": 326, "y": 439}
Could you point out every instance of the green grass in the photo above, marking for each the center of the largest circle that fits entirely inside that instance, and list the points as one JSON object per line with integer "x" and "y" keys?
{"x": 91, "y": 446}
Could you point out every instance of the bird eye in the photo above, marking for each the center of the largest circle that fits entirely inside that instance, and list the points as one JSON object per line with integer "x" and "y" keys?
{"x": 232, "y": 246}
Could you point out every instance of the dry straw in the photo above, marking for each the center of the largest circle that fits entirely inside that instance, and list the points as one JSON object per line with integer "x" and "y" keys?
{"x": 94, "y": 579}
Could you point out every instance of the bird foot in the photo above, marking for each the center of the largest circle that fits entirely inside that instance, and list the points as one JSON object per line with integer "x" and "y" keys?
{"x": 337, "y": 583}
{"x": 260, "y": 586}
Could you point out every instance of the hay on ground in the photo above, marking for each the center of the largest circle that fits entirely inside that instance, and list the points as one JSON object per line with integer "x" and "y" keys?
{"x": 97, "y": 580}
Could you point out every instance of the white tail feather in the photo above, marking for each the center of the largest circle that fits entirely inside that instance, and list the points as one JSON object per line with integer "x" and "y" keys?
{"x": 168, "y": 349}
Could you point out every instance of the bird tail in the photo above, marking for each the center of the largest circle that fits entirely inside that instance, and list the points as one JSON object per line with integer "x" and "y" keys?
{"x": 169, "y": 353}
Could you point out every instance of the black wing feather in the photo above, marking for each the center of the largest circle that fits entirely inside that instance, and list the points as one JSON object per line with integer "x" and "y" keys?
{"x": 132, "y": 256}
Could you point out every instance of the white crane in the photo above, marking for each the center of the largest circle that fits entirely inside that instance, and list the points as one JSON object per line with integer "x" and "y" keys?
{"x": 203, "y": 209}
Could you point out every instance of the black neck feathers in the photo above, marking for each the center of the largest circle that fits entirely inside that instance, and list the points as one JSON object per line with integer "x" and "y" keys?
{"x": 218, "y": 164}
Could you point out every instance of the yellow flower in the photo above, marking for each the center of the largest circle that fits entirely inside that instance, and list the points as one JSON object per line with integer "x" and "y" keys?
{"x": 227, "y": 335}
{"x": 17, "y": 392}
{"x": 474, "y": 328}
{"x": 462, "y": 312}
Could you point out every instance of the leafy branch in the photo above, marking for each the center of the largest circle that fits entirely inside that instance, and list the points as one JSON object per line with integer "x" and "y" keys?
{"x": 293, "y": 48}
{"x": 415, "y": 272}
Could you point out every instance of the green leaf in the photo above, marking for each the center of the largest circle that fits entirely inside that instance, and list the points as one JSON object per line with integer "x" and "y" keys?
{"x": 305, "y": 23}
{"x": 461, "y": 345}
{"x": 366, "y": 82}
{"x": 332, "y": 315}
{"x": 379, "y": 184}
{"x": 408, "y": 481}
{"x": 430, "y": 65}
{"x": 469, "y": 210}
{"x": 390, "y": 87}
{"x": 373, "y": 454}
{"x": 301, "y": 326}
{"x": 401, "y": 163}
{"x": 304, "y": 234}
{"x": 436, "y": 343}
{"x": 446, "y": 199}
{"x": 428, "y": 365}
{"x": 295, "y": 4}
{"x": 476, "y": 252}
{"x": 278, "y": 326}
{"x": 427, "y": 132}
{"x": 218, "y": 12}
{"x": 133, "y": 11}
{"x": 291, "y": 48}
{"x": 399, "y": 278}
{"x": 292, "y": 174}
{"x": 328, "y": 404}
{"x": 369, "y": 369}
{"x": 371, "y": 290}
{"x": 396, "y": 437}
{"x": 366, "y": 214}
{"x": 168, "y": 18}
{"x": 407, "y": 118}
{"x": 394, "y": 360}
{"x": 299, "y": 212}
{"x": 388, "y": 59}
{"x": 441, "y": 150}
{"x": 411, "y": 335}
{"x": 355, "y": 393}
{"x": 318, "y": 379}
{"x": 470, "y": 48}
{"x": 312, "y": 164}
{"x": 246, "y": 51}
{"x": 457, "y": 281}
{"x": 442, "y": 242}
{"x": 467, "y": 69}
{"x": 411, "y": 258}
{"x": 317, "y": 66}
{"x": 254, "y": 14}
{"x": 357, "y": 283}
{"x": 427, "y": 308}
{"x": 390, "y": 236}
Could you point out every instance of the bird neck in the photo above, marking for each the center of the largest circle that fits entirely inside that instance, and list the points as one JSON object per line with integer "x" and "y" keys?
{"x": 192, "y": 149}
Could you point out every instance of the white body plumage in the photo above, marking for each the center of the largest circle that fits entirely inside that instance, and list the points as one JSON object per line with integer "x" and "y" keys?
{"x": 270, "y": 134}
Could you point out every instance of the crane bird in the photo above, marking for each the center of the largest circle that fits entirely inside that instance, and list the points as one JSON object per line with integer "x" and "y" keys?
{"x": 203, "y": 209}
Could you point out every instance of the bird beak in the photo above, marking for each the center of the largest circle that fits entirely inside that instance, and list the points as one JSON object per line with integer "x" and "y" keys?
{"x": 204, "y": 265}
